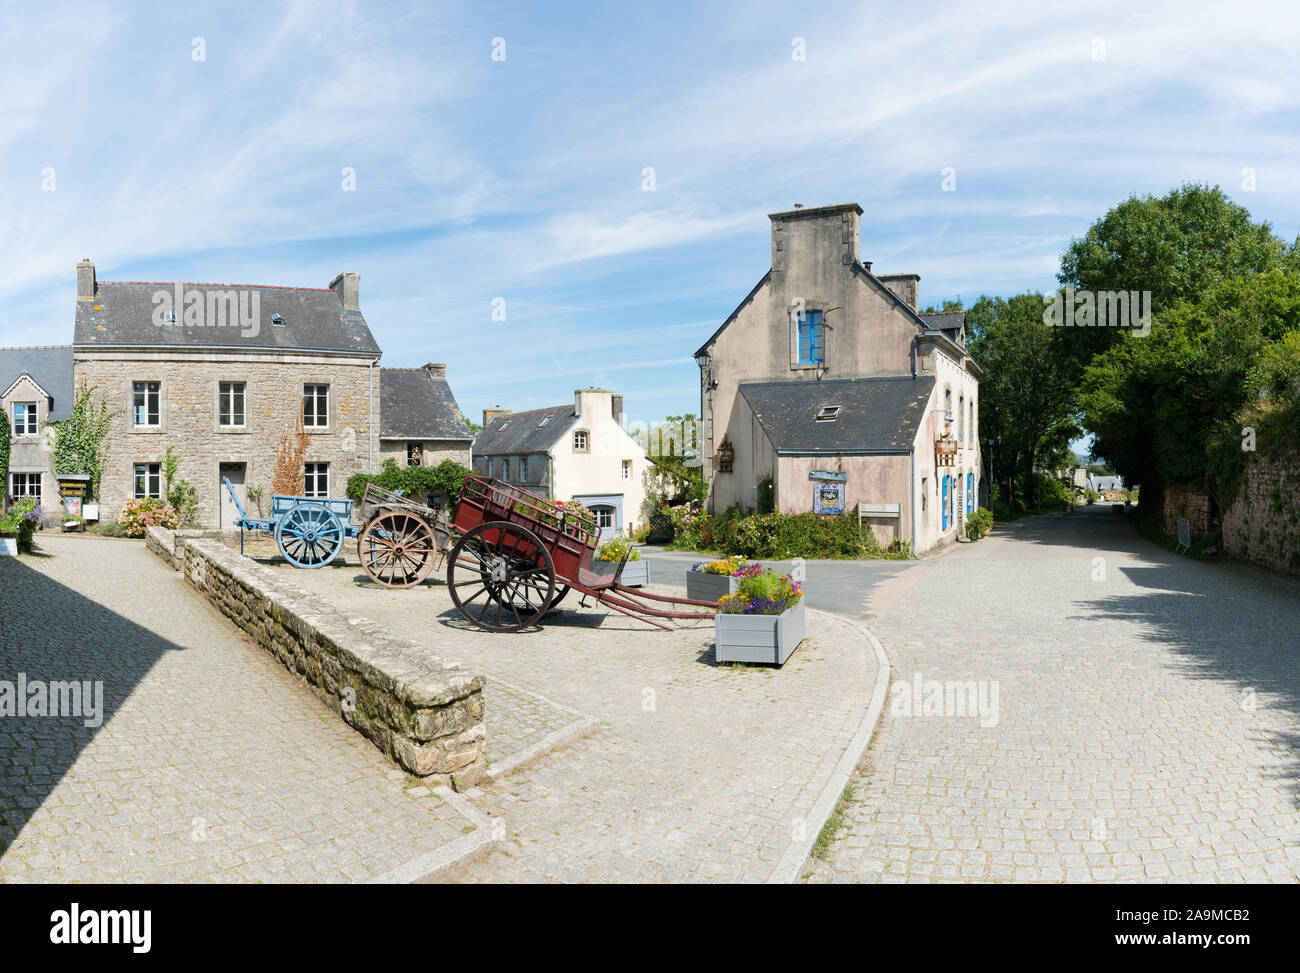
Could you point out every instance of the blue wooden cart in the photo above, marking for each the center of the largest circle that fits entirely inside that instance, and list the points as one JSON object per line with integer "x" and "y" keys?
{"x": 308, "y": 530}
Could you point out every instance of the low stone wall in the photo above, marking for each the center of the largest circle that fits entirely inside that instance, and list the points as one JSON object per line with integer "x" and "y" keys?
{"x": 1263, "y": 524}
{"x": 424, "y": 712}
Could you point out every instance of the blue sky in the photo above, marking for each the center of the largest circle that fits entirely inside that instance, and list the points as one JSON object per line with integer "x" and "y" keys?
{"x": 522, "y": 178}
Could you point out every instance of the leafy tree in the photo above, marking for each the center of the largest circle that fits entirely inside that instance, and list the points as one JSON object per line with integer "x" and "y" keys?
{"x": 1177, "y": 246}
{"x": 1026, "y": 399}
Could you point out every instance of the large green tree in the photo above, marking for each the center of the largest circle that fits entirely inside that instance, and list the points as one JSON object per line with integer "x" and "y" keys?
{"x": 1176, "y": 246}
{"x": 1026, "y": 397}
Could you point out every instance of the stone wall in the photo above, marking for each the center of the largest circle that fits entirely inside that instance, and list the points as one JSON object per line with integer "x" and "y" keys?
{"x": 1263, "y": 524}
{"x": 189, "y": 418}
{"x": 1193, "y": 505}
{"x": 424, "y": 712}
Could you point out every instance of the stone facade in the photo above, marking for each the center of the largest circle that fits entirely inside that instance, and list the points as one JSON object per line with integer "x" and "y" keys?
{"x": 433, "y": 451}
{"x": 1263, "y": 524}
{"x": 32, "y": 453}
{"x": 423, "y": 712}
{"x": 1184, "y": 503}
{"x": 189, "y": 418}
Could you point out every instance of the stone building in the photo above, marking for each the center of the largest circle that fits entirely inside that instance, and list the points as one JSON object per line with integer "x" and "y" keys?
{"x": 35, "y": 390}
{"x": 571, "y": 452}
{"x": 220, "y": 372}
{"x": 830, "y": 382}
{"x": 420, "y": 423}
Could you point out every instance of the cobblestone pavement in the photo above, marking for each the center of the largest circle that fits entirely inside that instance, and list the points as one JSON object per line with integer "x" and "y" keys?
{"x": 212, "y": 762}
{"x": 1146, "y": 729}
{"x": 697, "y": 771}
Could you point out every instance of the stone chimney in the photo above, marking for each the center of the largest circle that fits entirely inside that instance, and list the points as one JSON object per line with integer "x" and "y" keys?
{"x": 616, "y": 407}
{"x": 490, "y": 414}
{"x": 592, "y": 403}
{"x": 436, "y": 369}
{"x": 815, "y": 237}
{"x": 85, "y": 279}
{"x": 906, "y": 286}
{"x": 347, "y": 284}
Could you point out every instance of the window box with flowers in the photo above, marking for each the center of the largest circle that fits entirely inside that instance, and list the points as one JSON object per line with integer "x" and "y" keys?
{"x": 636, "y": 572}
{"x": 763, "y": 621}
{"x": 711, "y": 580}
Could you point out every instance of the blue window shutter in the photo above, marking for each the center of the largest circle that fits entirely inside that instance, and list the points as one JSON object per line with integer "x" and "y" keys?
{"x": 945, "y": 503}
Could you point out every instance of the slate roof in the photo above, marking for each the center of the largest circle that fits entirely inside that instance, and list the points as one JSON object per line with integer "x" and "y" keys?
{"x": 876, "y": 415}
{"x": 50, "y": 366}
{"x": 945, "y": 320}
{"x": 121, "y": 313}
{"x": 415, "y": 405}
{"x": 523, "y": 432}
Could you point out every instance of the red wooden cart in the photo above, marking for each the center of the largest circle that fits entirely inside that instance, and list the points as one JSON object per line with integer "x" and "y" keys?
{"x": 518, "y": 556}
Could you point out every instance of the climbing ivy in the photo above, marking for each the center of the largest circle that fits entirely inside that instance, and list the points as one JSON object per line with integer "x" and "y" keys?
{"x": 79, "y": 448}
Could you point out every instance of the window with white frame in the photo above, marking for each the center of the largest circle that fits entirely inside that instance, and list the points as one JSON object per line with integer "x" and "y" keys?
{"x": 25, "y": 485}
{"x": 24, "y": 418}
{"x": 315, "y": 406}
{"x": 230, "y": 405}
{"x": 145, "y": 400}
{"x": 627, "y": 469}
{"x": 961, "y": 419}
{"x": 148, "y": 480}
{"x": 316, "y": 478}
{"x": 580, "y": 441}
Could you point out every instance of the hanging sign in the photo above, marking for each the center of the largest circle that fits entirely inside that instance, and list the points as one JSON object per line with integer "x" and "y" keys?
{"x": 836, "y": 475}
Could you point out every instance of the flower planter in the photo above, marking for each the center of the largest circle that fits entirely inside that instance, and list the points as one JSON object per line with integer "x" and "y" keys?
{"x": 635, "y": 573}
{"x": 8, "y": 546}
{"x": 709, "y": 587}
{"x": 758, "y": 638}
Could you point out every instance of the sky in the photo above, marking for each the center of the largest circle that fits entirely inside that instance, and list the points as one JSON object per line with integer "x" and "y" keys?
{"x": 602, "y": 173}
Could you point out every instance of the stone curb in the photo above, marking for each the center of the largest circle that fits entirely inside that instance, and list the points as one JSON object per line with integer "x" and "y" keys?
{"x": 565, "y": 735}
{"x": 796, "y": 856}
{"x": 437, "y": 866}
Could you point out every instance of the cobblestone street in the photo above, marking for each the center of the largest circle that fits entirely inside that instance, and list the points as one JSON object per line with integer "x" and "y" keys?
{"x": 1146, "y": 727}
{"x": 212, "y": 762}
{"x": 695, "y": 772}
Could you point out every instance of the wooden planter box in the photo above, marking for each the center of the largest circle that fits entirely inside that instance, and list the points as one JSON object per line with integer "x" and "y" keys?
{"x": 709, "y": 587}
{"x": 759, "y": 638}
{"x": 635, "y": 573}
{"x": 8, "y": 546}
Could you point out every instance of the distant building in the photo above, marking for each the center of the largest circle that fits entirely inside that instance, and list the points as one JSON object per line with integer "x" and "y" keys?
{"x": 571, "y": 452}
{"x": 828, "y": 379}
{"x": 1100, "y": 484}
{"x": 35, "y": 390}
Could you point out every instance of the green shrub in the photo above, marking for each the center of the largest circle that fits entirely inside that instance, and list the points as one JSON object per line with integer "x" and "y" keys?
{"x": 19, "y": 521}
{"x": 420, "y": 483}
{"x": 778, "y": 535}
{"x": 108, "y": 528}
{"x": 978, "y": 522}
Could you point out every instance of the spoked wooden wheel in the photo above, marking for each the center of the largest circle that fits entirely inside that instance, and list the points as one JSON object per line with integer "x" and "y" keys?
{"x": 309, "y": 535}
{"x": 397, "y": 549}
{"x": 500, "y": 576}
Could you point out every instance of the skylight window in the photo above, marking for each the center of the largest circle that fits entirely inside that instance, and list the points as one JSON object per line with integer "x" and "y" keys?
{"x": 545, "y": 420}
{"x": 504, "y": 424}
{"x": 828, "y": 413}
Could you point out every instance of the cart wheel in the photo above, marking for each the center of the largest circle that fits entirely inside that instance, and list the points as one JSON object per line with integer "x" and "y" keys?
{"x": 501, "y": 577}
{"x": 559, "y": 597}
{"x": 309, "y": 535}
{"x": 397, "y": 549}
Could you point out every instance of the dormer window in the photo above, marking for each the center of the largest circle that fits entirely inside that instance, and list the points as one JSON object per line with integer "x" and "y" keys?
{"x": 24, "y": 418}
{"x": 828, "y": 413}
